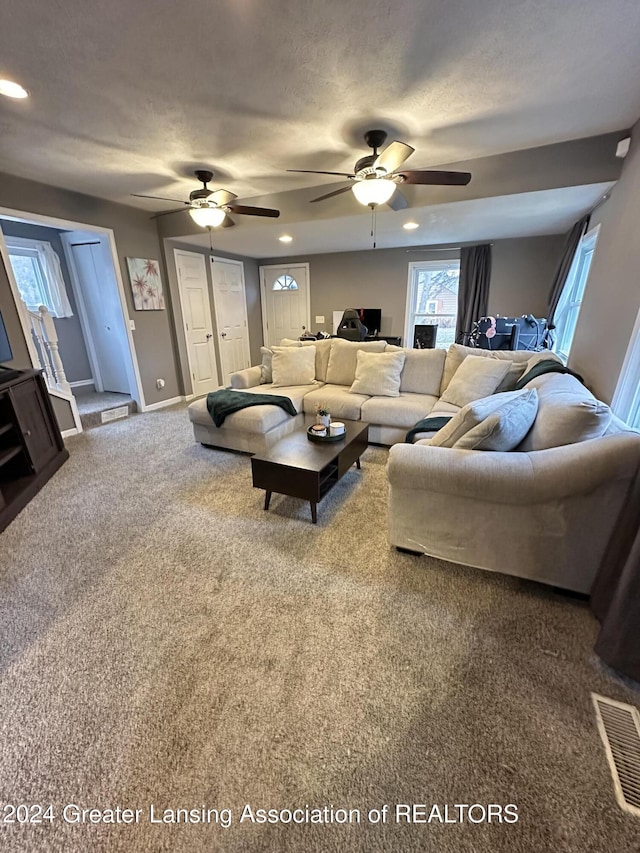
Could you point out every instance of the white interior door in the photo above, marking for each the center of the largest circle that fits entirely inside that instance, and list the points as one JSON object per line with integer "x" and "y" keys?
{"x": 103, "y": 314}
{"x": 231, "y": 315}
{"x": 285, "y": 301}
{"x": 196, "y": 314}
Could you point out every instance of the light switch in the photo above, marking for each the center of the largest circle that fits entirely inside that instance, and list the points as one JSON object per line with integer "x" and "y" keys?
{"x": 319, "y": 318}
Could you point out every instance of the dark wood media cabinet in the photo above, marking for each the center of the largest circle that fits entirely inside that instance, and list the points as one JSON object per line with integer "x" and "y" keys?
{"x": 31, "y": 446}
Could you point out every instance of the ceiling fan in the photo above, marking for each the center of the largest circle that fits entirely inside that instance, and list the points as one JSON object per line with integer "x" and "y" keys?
{"x": 211, "y": 208}
{"x": 376, "y": 176}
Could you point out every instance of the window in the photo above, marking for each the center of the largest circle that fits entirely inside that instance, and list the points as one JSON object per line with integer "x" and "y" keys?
{"x": 566, "y": 315}
{"x": 626, "y": 400}
{"x": 432, "y": 299}
{"x": 285, "y": 282}
{"x": 36, "y": 269}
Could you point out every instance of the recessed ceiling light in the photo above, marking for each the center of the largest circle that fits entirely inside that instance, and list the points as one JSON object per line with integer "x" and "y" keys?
{"x": 286, "y": 238}
{"x": 12, "y": 90}
{"x": 410, "y": 226}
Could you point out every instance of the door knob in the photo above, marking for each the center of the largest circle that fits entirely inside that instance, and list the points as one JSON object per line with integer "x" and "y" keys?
{"x": 223, "y": 334}
{"x": 209, "y": 336}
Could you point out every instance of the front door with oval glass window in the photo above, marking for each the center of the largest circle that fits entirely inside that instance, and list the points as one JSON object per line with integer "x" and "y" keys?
{"x": 285, "y": 301}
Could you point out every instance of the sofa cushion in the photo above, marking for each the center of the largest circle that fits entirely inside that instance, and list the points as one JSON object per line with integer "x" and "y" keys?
{"x": 340, "y": 402}
{"x": 567, "y": 413}
{"x": 254, "y": 419}
{"x": 341, "y": 369}
{"x": 497, "y": 422}
{"x": 293, "y": 365}
{"x": 378, "y": 373}
{"x": 474, "y": 379}
{"x": 403, "y": 411}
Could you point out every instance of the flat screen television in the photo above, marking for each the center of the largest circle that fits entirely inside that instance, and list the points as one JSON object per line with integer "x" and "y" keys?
{"x": 5, "y": 346}
{"x": 371, "y": 318}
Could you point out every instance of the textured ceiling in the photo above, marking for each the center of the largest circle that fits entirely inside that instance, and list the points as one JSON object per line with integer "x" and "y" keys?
{"x": 132, "y": 96}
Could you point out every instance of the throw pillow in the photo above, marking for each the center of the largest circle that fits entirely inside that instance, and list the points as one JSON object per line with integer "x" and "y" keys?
{"x": 476, "y": 378}
{"x": 266, "y": 374}
{"x": 341, "y": 369}
{"x": 378, "y": 374}
{"x": 568, "y": 413}
{"x": 498, "y": 422}
{"x": 293, "y": 365}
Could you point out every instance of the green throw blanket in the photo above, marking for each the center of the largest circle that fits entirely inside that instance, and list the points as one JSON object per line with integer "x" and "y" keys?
{"x": 226, "y": 402}
{"x": 547, "y": 365}
{"x": 426, "y": 425}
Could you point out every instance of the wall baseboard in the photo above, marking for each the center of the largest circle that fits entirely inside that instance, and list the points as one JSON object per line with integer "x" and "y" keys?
{"x": 67, "y": 432}
{"x": 162, "y": 404}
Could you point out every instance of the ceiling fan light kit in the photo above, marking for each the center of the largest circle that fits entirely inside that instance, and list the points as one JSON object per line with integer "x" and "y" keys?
{"x": 207, "y": 217}
{"x": 373, "y": 190}
{"x": 376, "y": 176}
{"x": 210, "y": 208}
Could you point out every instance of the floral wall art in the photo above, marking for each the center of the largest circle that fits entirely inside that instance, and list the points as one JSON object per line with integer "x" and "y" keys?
{"x": 146, "y": 284}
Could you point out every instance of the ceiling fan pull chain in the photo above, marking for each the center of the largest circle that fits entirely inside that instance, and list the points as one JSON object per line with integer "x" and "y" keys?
{"x": 373, "y": 224}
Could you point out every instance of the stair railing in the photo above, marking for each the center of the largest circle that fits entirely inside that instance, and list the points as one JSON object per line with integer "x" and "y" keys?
{"x": 46, "y": 337}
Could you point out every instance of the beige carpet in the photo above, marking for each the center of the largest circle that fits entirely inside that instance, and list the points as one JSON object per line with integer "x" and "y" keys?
{"x": 165, "y": 641}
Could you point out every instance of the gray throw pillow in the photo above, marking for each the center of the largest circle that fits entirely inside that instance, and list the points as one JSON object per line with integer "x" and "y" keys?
{"x": 266, "y": 368}
{"x": 498, "y": 422}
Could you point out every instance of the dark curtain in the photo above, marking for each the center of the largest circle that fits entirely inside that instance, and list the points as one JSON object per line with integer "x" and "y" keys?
{"x": 615, "y": 596}
{"x": 571, "y": 244}
{"x": 473, "y": 289}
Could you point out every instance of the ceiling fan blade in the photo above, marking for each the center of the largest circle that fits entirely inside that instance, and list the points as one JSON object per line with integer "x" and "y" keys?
{"x": 393, "y": 156}
{"x": 398, "y": 201}
{"x": 330, "y": 195}
{"x": 315, "y": 172}
{"x": 439, "y": 178}
{"x": 160, "y": 198}
{"x": 167, "y": 212}
{"x": 221, "y": 197}
{"x": 253, "y": 211}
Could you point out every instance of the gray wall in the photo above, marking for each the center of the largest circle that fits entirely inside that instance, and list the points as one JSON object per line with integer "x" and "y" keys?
{"x": 254, "y": 310}
{"x": 71, "y": 340}
{"x": 522, "y": 273}
{"x": 612, "y": 294}
{"x": 136, "y": 236}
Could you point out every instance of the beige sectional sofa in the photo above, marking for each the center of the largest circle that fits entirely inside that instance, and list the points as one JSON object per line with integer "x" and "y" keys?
{"x": 255, "y": 429}
{"x": 545, "y": 510}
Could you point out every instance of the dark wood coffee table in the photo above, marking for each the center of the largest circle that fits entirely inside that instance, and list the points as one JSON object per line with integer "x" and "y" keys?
{"x": 301, "y": 468}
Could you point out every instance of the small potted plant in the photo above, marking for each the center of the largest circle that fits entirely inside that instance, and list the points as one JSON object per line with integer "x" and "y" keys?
{"x": 323, "y": 416}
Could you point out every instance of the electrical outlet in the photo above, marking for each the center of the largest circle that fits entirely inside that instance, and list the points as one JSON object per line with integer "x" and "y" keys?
{"x": 132, "y": 325}
{"x": 159, "y": 384}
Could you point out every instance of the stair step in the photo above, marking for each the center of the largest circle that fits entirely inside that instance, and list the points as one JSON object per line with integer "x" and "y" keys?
{"x": 91, "y": 420}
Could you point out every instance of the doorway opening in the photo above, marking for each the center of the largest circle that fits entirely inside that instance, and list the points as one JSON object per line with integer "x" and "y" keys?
{"x": 70, "y": 301}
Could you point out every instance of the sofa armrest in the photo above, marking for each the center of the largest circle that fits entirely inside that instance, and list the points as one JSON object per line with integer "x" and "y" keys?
{"x": 515, "y": 478}
{"x": 247, "y": 378}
